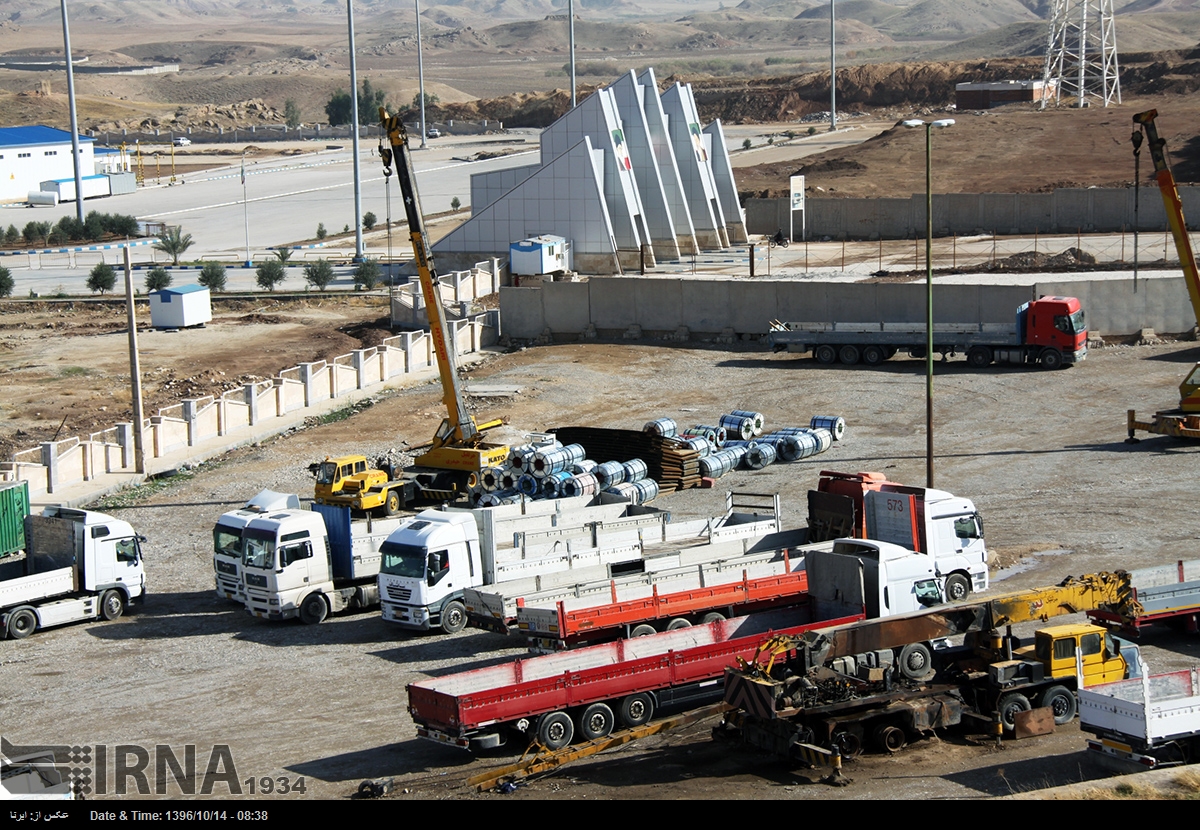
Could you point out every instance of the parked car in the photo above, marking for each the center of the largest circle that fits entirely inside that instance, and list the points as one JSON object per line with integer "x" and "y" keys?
{"x": 433, "y": 132}
{"x": 182, "y": 141}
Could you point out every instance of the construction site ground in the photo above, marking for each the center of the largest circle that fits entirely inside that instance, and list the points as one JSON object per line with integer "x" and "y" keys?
{"x": 1041, "y": 453}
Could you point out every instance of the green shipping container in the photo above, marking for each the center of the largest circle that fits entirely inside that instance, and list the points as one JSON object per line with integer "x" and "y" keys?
{"x": 14, "y": 507}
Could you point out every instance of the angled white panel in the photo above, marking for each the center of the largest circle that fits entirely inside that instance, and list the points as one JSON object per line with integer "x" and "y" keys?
{"x": 687, "y": 143}
{"x": 564, "y": 198}
{"x": 487, "y": 187}
{"x": 628, "y": 95}
{"x": 668, "y": 169}
{"x": 727, "y": 195}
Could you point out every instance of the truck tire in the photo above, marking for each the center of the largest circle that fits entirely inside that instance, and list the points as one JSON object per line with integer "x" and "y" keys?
{"x": 22, "y": 623}
{"x": 826, "y": 355}
{"x": 391, "y": 504}
{"x": 873, "y": 355}
{"x": 1009, "y": 707}
{"x": 958, "y": 588}
{"x": 112, "y": 604}
{"x": 979, "y": 357}
{"x": 849, "y": 355}
{"x": 636, "y": 710}
{"x": 712, "y": 617}
{"x": 678, "y": 623}
{"x": 915, "y": 661}
{"x": 555, "y": 730}
{"x": 313, "y": 610}
{"x": 1061, "y": 701}
{"x": 596, "y": 721}
{"x": 890, "y": 738}
{"x": 454, "y": 617}
{"x": 1051, "y": 359}
{"x": 643, "y": 630}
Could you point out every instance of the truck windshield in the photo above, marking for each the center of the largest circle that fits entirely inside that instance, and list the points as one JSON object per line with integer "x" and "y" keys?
{"x": 1073, "y": 324}
{"x": 327, "y": 473}
{"x": 227, "y": 540}
{"x": 402, "y": 560}
{"x": 259, "y": 549}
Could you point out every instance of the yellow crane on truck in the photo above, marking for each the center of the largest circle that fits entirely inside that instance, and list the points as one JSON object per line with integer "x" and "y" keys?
{"x": 1183, "y": 422}
{"x": 459, "y": 451}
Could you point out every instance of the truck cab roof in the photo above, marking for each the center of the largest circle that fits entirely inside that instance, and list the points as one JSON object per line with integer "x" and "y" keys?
{"x": 90, "y": 518}
{"x": 300, "y": 518}
{"x": 429, "y": 527}
{"x": 882, "y": 551}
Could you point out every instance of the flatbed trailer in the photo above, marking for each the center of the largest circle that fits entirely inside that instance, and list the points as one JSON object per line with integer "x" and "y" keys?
{"x": 590, "y": 691}
{"x": 1162, "y": 594}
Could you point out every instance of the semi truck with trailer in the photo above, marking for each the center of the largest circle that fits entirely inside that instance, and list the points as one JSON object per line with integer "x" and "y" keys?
{"x": 77, "y": 565}
{"x": 883, "y": 681}
{"x": 227, "y": 540}
{"x": 1049, "y": 332}
{"x": 435, "y": 557}
{"x": 927, "y": 533}
{"x": 311, "y": 563}
{"x": 1146, "y": 722}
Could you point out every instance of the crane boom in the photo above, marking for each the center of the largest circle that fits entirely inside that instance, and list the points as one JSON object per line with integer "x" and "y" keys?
{"x": 458, "y": 443}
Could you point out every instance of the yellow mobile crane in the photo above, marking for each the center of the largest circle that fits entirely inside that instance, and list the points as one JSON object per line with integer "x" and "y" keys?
{"x": 1183, "y": 422}
{"x": 825, "y": 694}
{"x": 458, "y": 452}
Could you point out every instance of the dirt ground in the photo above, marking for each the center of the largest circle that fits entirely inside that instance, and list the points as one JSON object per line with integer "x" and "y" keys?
{"x": 1041, "y": 453}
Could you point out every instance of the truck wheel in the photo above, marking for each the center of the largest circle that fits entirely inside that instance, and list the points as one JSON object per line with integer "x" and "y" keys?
{"x": 958, "y": 588}
{"x": 596, "y": 721}
{"x": 555, "y": 730}
{"x": 1051, "y": 359}
{"x": 454, "y": 617}
{"x": 979, "y": 357}
{"x": 1009, "y": 707}
{"x": 916, "y": 661}
{"x": 391, "y": 505}
{"x": 643, "y": 630}
{"x": 873, "y": 355}
{"x": 636, "y": 710}
{"x": 313, "y": 610}
{"x": 1062, "y": 702}
{"x": 849, "y": 355}
{"x": 712, "y": 617}
{"x": 112, "y": 605}
{"x": 825, "y": 354}
{"x": 890, "y": 738}
{"x": 678, "y": 623}
{"x": 22, "y": 623}
{"x": 848, "y": 743}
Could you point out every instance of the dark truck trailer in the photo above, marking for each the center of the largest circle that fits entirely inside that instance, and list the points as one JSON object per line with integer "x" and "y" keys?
{"x": 1049, "y": 332}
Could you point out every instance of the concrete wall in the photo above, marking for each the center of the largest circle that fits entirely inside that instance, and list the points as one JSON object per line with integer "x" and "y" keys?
{"x": 614, "y": 305}
{"x": 1067, "y": 210}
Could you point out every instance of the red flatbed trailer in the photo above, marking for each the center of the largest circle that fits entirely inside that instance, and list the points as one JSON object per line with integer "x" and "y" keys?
{"x": 561, "y": 627}
{"x": 590, "y": 691}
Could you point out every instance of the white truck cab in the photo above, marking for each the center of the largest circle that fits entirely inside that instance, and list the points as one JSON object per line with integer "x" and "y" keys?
{"x": 227, "y": 539}
{"x": 426, "y": 565}
{"x": 285, "y": 557}
{"x": 945, "y": 528}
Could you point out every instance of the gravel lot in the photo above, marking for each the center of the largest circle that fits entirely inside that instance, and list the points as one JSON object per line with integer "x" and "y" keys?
{"x": 1041, "y": 453}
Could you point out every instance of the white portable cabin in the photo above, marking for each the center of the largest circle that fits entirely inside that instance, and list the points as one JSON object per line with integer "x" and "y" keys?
{"x": 177, "y": 308}
{"x": 539, "y": 255}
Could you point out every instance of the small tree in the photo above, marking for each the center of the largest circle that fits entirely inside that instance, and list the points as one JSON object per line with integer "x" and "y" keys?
{"x": 318, "y": 274}
{"x": 367, "y": 274}
{"x": 746, "y": 144}
{"x": 174, "y": 243}
{"x": 157, "y": 279}
{"x": 36, "y": 232}
{"x": 212, "y": 276}
{"x": 346, "y": 229}
{"x": 291, "y": 114}
{"x": 269, "y": 274}
{"x": 812, "y": 130}
{"x": 12, "y": 236}
{"x": 455, "y": 204}
{"x": 283, "y": 254}
{"x": 369, "y": 221}
{"x": 6, "y": 282}
{"x": 102, "y": 278}
{"x": 321, "y": 232}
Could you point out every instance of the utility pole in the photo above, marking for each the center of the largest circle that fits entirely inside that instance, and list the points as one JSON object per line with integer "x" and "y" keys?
{"x": 358, "y": 236}
{"x": 74, "y": 120}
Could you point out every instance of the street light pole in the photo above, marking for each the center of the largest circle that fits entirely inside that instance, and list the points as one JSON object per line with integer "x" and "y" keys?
{"x": 945, "y": 122}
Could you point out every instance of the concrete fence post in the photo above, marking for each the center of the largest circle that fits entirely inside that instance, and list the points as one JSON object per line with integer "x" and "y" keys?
{"x": 280, "y": 402}
{"x": 222, "y": 415}
{"x": 50, "y": 462}
{"x": 251, "y": 396}
{"x": 383, "y": 352}
{"x": 359, "y": 357}
{"x": 307, "y": 378}
{"x": 156, "y": 422}
{"x": 125, "y": 441}
{"x": 189, "y": 417}
{"x": 495, "y": 275}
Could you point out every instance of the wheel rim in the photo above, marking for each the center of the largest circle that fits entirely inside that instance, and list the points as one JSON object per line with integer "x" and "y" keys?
{"x": 23, "y": 624}
{"x": 454, "y": 616}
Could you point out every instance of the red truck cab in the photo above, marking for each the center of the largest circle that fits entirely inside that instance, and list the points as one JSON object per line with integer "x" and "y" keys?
{"x": 1054, "y": 322}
